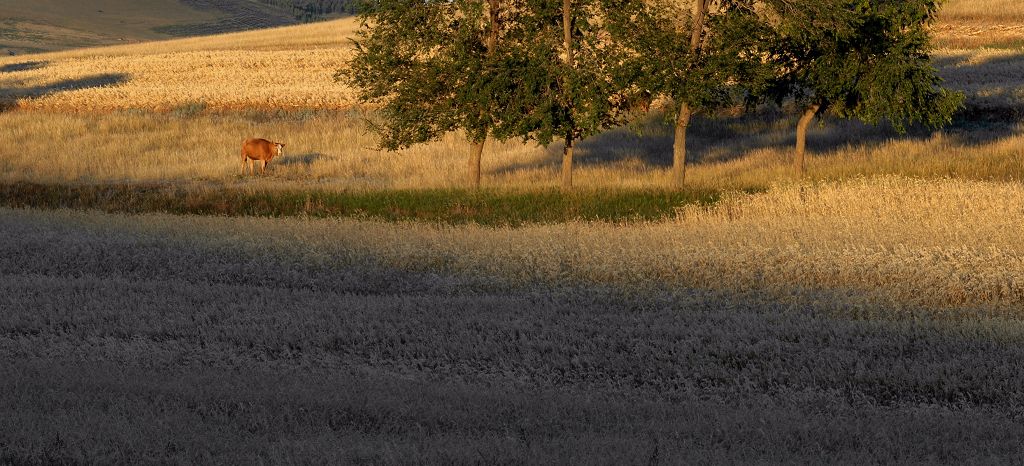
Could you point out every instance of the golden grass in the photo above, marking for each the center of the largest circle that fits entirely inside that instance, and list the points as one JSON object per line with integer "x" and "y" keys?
{"x": 989, "y": 11}
{"x": 83, "y": 124}
{"x": 274, "y": 339}
{"x": 980, "y": 23}
{"x": 293, "y": 67}
{"x": 334, "y": 151}
{"x": 946, "y": 248}
{"x": 45, "y": 25}
{"x": 288, "y": 67}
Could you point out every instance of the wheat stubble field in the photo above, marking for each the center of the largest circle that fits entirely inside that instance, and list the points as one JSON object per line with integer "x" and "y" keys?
{"x": 871, "y": 315}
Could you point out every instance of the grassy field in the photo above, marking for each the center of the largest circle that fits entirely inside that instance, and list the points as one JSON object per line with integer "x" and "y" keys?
{"x": 767, "y": 329}
{"x": 354, "y": 306}
{"x": 292, "y": 68}
{"x": 449, "y": 206}
{"x": 333, "y": 151}
{"x": 48, "y": 25}
{"x": 176, "y": 111}
{"x": 976, "y": 23}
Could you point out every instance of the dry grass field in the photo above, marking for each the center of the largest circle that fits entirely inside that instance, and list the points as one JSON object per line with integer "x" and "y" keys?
{"x": 774, "y": 328}
{"x": 177, "y": 110}
{"x": 47, "y": 25}
{"x": 975, "y": 23}
{"x": 289, "y": 67}
{"x": 333, "y": 151}
{"x": 868, "y": 314}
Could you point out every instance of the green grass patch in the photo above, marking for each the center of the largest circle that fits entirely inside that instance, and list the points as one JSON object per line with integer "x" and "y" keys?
{"x": 450, "y": 206}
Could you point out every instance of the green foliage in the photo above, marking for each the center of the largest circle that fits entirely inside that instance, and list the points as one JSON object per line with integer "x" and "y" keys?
{"x": 864, "y": 59}
{"x": 663, "y": 63}
{"x": 557, "y": 98}
{"x": 424, "y": 63}
{"x": 428, "y": 66}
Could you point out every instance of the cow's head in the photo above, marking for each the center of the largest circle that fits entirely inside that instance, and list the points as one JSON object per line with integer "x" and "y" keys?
{"x": 280, "y": 148}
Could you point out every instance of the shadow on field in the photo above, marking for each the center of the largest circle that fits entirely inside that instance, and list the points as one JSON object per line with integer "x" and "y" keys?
{"x": 301, "y": 160}
{"x": 187, "y": 345}
{"x": 11, "y": 92}
{"x": 719, "y": 140}
{"x": 26, "y": 66}
{"x": 986, "y": 68}
{"x": 994, "y": 111}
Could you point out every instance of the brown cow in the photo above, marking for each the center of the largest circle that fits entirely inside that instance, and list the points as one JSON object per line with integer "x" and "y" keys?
{"x": 259, "y": 149}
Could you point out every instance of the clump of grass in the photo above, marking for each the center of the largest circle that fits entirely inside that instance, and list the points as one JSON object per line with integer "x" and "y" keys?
{"x": 190, "y": 109}
{"x": 448, "y": 206}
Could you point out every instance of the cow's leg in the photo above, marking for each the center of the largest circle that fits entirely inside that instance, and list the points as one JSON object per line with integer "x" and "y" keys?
{"x": 263, "y": 169}
{"x": 243, "y": 165}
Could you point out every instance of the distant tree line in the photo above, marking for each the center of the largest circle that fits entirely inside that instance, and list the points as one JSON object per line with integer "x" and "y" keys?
{"x": 547, "y": 70}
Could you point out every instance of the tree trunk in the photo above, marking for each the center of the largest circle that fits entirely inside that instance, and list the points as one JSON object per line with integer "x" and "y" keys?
{"x": 567, "y": 163}
{"x": 700, "y": 10}
{"x": 475, "y": 154}
{"x": 477, "y": 149}
{"x": 799, "y": 162}
{"x": 492, "y": 33}
{"x": 569, "y": 63}
{"x": 679, "y": 146}
{"x": 567, "y": 30}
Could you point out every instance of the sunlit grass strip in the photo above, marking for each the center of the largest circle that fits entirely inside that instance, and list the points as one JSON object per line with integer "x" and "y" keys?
{"x": 889, "y": 247}
{"x": 448, "y": 206}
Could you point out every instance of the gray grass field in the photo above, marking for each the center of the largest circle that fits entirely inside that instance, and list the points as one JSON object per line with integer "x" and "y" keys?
{"x": 870, "y": 314}
{"x": 189, "y": 340}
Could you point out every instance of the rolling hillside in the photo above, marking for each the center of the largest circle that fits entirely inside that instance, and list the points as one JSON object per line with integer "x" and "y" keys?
{"x": 287, "y": 67}
{"x": 358, "y": 306}
{"x": 48, "y": 25}
{"x": 293, "y": 67}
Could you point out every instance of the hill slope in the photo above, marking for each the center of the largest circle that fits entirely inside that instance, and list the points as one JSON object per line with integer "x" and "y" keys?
{"x": 293, "y": 66}
{"x": 47, "y": 25}
{"x": 286, "y": 67}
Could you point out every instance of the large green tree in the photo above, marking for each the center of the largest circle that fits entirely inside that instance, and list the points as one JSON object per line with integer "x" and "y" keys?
{"x": 863, "y": 59}
{"x": 531, "y": 69}
{"x": 432, "y": 67}
{"x": 568, "y": 72}
{"x": 691, "y": 53}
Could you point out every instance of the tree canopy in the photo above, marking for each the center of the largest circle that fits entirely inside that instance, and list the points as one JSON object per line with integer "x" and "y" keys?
{"x": 862, "y": 59}
{"x": 547, "y": 70}
{"x": 698, "y": 58}
{"x": 531, "y": 69}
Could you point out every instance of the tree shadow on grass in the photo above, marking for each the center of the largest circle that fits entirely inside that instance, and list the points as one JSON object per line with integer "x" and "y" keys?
{"x": 11, "y": 91}
{"x": 300, "y": 160}
{"x": 714, "y": 140}
{"x": 994, "y": 111}
{"x": 25, "y": 66}
{"x": 711, "y": 140}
